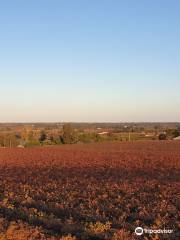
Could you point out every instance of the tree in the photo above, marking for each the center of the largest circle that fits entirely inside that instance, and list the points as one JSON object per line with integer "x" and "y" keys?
{"x": 69, "y": 135}
{"x": 172, "y": 133}
{"x": 24, "y": 134}
{"x": 42, "y": 137}
{"x": 8, "y": 140}
{"x": 162, "y": 136}
{"x": 176, "y": 133}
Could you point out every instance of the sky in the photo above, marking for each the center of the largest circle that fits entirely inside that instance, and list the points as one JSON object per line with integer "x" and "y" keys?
{"x": 89, "y": 61}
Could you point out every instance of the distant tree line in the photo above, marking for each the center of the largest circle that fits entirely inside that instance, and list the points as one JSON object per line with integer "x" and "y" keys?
{"x": 28, "y": 137}
{"x": 68, "y": 135}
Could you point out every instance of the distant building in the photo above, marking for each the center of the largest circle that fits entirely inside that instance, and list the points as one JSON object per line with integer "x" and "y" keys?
{"x": 103, "y": 133}
{"x": 177, "y": 138}
{"x": 20, "y": 146}
{"x": 149, "y": 135}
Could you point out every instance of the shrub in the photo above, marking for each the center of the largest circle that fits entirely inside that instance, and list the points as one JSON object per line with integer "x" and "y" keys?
{"x": 98, "y": 227}
{"x": 162, "y": 136}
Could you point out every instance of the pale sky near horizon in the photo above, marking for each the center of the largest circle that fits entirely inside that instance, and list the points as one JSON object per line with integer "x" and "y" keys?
{"x": 98, "y": 60}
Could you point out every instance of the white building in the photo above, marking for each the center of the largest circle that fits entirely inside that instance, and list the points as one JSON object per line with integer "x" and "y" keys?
{"x": 177, "y": 138}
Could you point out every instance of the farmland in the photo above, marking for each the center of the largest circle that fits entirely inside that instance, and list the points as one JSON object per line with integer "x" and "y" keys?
{"x": 91, "y": 191}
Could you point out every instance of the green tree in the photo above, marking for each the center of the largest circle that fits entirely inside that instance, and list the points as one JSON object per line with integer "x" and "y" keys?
{"x": 69, "y": 135}
{"x": 176, "y": 133}
{"x": 172, "y": 133}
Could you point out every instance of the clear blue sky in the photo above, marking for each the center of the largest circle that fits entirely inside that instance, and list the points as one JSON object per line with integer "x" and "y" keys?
{"x": 89, "y": 60}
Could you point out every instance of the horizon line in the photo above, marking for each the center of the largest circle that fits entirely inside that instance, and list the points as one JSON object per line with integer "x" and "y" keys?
{"x": 90, "y": 122}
